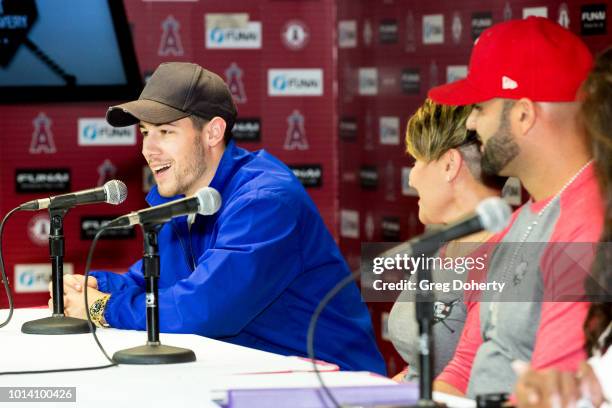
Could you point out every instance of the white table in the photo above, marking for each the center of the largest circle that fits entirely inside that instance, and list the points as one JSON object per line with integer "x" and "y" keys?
{"x": 173, "y": 385}
{"x": 219, "y": 367}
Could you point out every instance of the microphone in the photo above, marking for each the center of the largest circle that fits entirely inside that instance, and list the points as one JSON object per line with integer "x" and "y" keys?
{"x": 206, "y": 201}
{"x": 113, "y": 192}
{"x": 492, "y": 214}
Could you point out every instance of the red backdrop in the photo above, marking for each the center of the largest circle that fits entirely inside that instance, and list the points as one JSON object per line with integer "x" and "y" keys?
{"x": 341, "y": 126}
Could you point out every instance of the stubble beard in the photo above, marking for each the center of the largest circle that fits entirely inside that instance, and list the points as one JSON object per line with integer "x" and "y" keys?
{"x": 187, "y": 173}
{"x": 501, "y": 148}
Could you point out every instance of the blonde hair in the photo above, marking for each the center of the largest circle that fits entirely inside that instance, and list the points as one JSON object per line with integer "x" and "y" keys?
{"x": 435, "y": 128}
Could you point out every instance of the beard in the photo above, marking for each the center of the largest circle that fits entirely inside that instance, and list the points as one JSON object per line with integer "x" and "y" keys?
{"x": 187, "y": 173}
{"x": 501, "y": 148}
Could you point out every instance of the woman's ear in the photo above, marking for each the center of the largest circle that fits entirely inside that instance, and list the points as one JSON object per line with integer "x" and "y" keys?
{"x": 451, "y": 162}
{"x": 215, "y": 131}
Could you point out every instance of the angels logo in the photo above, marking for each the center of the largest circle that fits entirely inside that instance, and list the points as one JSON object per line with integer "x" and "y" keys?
{"x": 296, "y": 135}
{"x": 390, "y": 176}
{"x": 170, "y": 43}
{"x": 563, "y": 19}
{"x": 42, "y": 138}
{"x": 106, "y": 172}
{"x": 39, "y": 228}
{"x": 295, "y": 35}
{"x": 367, "y": 33}
{"x": 349, "y": 83}
{"x": 457, "y": 27}
{"x": 433, "y": 74}
{"x": 410, "y": 36}
{"x": 507, "y": 12}
{"x": 233, "y": 77}
{"x": 369, "y": 226}
{"x": 369, "y": 132}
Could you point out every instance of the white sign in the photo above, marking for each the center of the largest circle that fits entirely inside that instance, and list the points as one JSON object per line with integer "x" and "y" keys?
{"x": 433, "y": 29}
{"x": 406, "y": 189}
{"x": 368, "y": 81}
{"x": 220, "y": 36}
{"x": 35, "y": 277}
{"x": 535, "y": 11}
{"x": 384, "y": 326}
{"x": 347, "y": 34}
{"x": 97, "y": 132}
{"x": 295, "y": 35}
{"x": 456, "y": 72}
{"x": 293, "y": 82}
{"x": 389, "y": 130}
{"x": 349, "y": 223}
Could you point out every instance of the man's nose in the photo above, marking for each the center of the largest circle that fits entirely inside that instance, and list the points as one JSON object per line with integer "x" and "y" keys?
{"x": 150, "y": 145}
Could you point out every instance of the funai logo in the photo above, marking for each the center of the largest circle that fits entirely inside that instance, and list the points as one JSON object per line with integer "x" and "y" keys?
{"x": 233, "y": 36}
{"x": 291, "y": 82}
{"x": 31, "y": 278}
{"x": 96, "y": 132}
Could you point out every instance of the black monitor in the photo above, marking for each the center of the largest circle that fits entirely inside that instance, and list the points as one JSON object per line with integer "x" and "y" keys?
{"x": 66, "y": 50}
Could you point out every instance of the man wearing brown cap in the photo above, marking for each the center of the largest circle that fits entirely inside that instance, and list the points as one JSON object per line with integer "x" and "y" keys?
{"x": 523, "y": 80}
{"x": 253, "y": 273}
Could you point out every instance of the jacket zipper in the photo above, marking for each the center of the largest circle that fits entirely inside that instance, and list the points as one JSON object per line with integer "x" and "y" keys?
{"x": 188, "y": 254}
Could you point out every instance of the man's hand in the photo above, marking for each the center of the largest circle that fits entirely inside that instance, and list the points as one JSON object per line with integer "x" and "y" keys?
{"x": 554, "y": 388}
{"x": 446, "y": 388}
{"x": 399, "y": 377}
{"x": 76, "y": 282}
{"x": 74, "y": 298}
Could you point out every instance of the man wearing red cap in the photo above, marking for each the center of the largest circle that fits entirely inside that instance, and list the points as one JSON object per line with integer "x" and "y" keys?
{"x": 523, "y": 80}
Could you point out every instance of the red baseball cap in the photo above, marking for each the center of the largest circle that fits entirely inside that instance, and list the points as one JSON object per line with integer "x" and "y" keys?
{"x": 533, "y": 58}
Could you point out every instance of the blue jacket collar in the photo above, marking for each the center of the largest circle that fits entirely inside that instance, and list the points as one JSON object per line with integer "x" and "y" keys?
{"x": 227, "y": 166}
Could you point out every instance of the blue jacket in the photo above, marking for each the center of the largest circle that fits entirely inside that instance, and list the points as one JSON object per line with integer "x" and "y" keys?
{"x": 253, "y": 273}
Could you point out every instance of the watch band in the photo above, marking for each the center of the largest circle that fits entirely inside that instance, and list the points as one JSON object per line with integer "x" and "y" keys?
{"x": 96, "y": 311}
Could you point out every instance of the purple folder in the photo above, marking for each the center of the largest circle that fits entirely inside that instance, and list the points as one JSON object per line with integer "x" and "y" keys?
{"x": 316, "y": 397}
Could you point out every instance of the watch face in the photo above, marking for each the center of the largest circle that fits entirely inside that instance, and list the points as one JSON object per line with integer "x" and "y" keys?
{"x": 96, "y": 306}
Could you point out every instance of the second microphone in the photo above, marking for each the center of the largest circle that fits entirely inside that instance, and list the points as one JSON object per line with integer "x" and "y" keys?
{"x": 206, "y": 201}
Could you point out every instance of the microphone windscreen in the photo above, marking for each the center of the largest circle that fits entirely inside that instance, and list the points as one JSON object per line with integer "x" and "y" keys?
{"x": 116, "y": 192}
{"x": 209, "y": 200}
{"x": 494, "y": 214}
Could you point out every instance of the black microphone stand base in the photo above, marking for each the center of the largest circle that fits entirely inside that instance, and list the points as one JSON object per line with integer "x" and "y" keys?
{"x": 56, "y": 324}
{"x": 154, "y": 354}
{"x": 422, "y": 403}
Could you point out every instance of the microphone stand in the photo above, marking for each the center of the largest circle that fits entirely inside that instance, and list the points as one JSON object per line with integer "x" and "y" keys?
{"x": 153, "y": 352}
{"x": 424, "y": 316}
{"x": 58, "y": 323}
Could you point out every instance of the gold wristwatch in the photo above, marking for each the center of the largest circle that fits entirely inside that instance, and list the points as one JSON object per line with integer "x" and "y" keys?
{"x": 96, "y": 311}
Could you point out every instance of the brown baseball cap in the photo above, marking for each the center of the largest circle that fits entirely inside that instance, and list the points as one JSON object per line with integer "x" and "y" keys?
{"x": 177, "y": 90}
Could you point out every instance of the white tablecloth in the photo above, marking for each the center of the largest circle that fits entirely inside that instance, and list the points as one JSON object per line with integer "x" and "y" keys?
{"x": 219, "y": 367}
